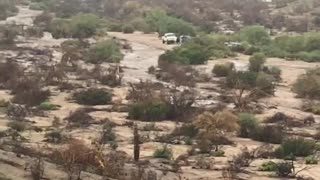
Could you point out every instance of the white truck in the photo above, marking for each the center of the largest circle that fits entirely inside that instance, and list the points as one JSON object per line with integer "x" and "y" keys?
{"x": 169, "y": 38}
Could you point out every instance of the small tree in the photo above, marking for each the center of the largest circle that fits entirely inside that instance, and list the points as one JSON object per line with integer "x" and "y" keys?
{"x": 248, "y": 125}
{"x": 37, "y": 169}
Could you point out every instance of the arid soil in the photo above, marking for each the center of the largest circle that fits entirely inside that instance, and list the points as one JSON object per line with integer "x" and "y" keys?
{"x": 146, "y": 49}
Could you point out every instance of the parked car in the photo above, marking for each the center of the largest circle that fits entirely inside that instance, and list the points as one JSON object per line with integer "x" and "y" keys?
{"x": 169, "y": 38}
{"x": 184, "y": 39}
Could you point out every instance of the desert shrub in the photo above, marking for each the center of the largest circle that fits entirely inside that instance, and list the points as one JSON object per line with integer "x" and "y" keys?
{"x": 47, "y": 106}
{"x": 223, "y": 70}
{"x": 162, "y": 23}
{"x": 311, "y": 159}
{"x": 79, "y": 118}
{"x": 163, "y": 152}
{"x": 265, "y": 83}
{"x": 252, "y": 50}
{"x": 187, "y": 54}
{"x": 275, "y": 72}
{"x": 34, "y": 32}
{"x": 7, "y": 8}
{"x": 269, "y": 166}
{"x": 308, "y": 84}
{"x": 295, "y": 147}
{"x": 84, "y": 25}
{"x": 54, "y": 136}
{"x": 105, "y": 51}
{"x": 154, "y": 111}
{"x": 43, "y": 21}
{"x": 248, "y": 125}
{"x": 107, "y": 134}
{"x": 93, "y": 96}
{"x": 197, "y": 51}
{"x": 29, "y": 94}
{"x": 241, "y": 79}
{"x": 284, "y": 169}
{"x": 60, "y": 28}
{"x": 140, "y": 24}
{"x": 115, "y": 27}
{"x": 127, "y": 29}
{"x": 269, "y": 134}
{"x": 17, "y": 125}
{"x": 9, "y": 71}
{"x": 255, "y": 35}
{"x": 37, "y": 169}
{"x": 256, "y": 62}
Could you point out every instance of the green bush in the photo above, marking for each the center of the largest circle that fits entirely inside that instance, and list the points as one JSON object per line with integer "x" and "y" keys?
{"x": 154, "y": 111}
{"x": 248, "y": 125}
{"x": 311, "y": 159}
{"x": 115, "y": 27}
{"x": 60, "y": 28}
{"x": 84, "y": 25}
{"x": 269, "y": 166}
{"x": 7, "y": 8}
{"x": 140, "y": 24}
{"x": 93, "y": 96}
{"x": 255, "y": 35}
{"x": 269, "y": 134}
{"x": 223, "y": 70}
{"x": 308, "y": 85}
{"x": 127, "y": 29}
{"x": 47, "y": 106}
{"x": 242, "y": 79}
{"x": 162, "y": 23}
{"x": 284, "y": 169}
{"x": 251, "y": 50}
{"x": 265, "y": 83}
{"x": 256, "y": 62}
{"x": 295, "y": 147}
{"x": 163, "y": 152}
{"x": 197, "y": 51}
{"x": 106, "y": 51}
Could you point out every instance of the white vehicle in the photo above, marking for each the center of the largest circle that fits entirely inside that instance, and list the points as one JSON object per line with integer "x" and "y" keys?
{"x": 169, "y": 38}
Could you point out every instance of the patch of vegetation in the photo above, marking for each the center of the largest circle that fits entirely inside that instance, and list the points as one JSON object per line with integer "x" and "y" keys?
{"x": 269, "y": 166}
{"x": 106, "y": 51}
{"x": 153, "y": 111}
{"x": 163, "y": 152}
{"x": 311, "y": 159}
{"x": 223, "y": 70}
{"x": 248, "y": 125}
{"x": 7, "y": 8}
{"x": 308, "y": 84}
{"x": 256, "y": 62}
{"x": 79, "y": 26}
{"x": 93, "y": 96}
{"x": 162, "y": 23}
{"x": 197, "y": 51}
{"x": 79, "y": 118}
{"x": 47, "y": 106}
{"x": 295, "y": 147}
{"x": 269, "y": 134}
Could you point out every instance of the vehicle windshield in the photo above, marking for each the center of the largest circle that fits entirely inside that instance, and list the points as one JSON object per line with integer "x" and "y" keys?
{"x": 169, "y": 34}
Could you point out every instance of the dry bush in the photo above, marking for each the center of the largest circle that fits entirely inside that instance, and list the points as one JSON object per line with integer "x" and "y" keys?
{"x": 75, "y": 159}
{"x": 110, "y": 165}
{"x": 178, "y": 74}
{"x": 17, "y": 112}
{"x": 79, "y": 118}
{"x": 28, "y": 91}
{"x": 9, "y": 71}
{"x": 110, "y": 76}
{"x": 54, "y": 75}
{"x": 37, "y": 169}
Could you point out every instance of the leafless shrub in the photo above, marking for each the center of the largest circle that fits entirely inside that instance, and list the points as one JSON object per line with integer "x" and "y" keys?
{"x": 37, "y": 169}
{"x": 79, "y": 118}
